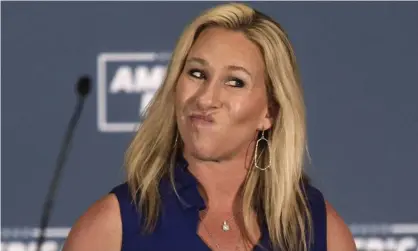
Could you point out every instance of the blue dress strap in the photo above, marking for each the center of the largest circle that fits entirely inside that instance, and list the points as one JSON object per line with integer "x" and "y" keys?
{"x": 128, "y": 212}
{"x": 316, "y": 203}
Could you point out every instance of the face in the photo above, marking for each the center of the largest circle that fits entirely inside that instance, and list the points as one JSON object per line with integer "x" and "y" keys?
{"x": 221, "y": 100}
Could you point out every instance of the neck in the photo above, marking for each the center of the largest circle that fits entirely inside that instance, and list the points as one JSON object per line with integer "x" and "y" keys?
{"x": 220, "y": 181}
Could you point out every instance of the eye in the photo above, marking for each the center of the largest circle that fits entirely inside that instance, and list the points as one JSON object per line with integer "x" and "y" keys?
{"x": 195, "y": 73}
{"x": 236, "y": 82}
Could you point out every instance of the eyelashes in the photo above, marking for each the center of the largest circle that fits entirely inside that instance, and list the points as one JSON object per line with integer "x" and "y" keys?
{"x": 237, "y": 82}
{"x": 201, "y": 75}
{"x": 198, "y": 74}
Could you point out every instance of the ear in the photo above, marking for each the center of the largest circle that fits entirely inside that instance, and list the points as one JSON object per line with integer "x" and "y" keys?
{"x": 266, "y": 121}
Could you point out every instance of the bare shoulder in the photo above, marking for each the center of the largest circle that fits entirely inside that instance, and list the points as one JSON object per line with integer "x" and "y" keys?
{"x": 98, "y": 229}
{"x": 339, "y": 237}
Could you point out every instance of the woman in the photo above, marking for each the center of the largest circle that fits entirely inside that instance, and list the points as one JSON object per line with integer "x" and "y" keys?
{"x": 217, "y": 163}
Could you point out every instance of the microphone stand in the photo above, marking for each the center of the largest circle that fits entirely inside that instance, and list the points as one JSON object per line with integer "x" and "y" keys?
{"x": 83, "y": 88}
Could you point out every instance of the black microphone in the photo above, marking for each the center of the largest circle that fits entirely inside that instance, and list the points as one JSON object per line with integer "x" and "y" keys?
{"x": 82, "y": 89}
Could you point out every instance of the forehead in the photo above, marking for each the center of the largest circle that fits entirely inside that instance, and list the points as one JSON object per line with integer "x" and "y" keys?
{"x": 222, "y": 47}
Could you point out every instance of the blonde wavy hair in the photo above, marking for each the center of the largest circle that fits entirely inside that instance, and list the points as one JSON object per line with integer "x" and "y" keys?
{"x": 276, "y": 194}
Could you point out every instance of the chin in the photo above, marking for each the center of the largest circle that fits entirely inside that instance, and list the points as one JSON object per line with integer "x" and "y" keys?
{"x": 204, "y": 157}
{"x": 204, "y": 153}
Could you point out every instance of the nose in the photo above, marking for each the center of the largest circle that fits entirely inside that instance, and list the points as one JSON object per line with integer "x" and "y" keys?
{"x": 208, "y": 96}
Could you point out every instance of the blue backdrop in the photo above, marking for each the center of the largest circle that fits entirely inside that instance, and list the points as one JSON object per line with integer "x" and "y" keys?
{"x": 359, "y": 65}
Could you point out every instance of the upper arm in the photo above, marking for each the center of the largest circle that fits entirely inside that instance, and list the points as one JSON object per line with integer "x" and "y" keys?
{"x": 98, "y": 229}
{"x": 339, "y": 237}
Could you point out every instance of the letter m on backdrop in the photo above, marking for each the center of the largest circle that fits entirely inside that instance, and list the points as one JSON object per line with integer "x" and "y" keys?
{"x": 126, "y": 84}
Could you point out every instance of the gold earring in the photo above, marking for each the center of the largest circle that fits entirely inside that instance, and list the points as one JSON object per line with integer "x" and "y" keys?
{"x": 256, "y": 153}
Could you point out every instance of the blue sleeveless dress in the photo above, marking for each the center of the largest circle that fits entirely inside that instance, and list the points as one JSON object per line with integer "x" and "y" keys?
{"x": 176, "y": 230}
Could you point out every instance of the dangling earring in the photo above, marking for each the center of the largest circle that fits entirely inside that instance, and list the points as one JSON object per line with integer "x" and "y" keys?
{"x": 256, "y": 153}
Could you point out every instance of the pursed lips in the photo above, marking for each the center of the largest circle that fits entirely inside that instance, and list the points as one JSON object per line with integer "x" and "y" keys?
{"x": 201, "y": 119}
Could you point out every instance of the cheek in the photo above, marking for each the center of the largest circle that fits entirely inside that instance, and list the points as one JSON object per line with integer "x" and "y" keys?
{"x": 184, "y": 93}
{"x": 247, "y": 110}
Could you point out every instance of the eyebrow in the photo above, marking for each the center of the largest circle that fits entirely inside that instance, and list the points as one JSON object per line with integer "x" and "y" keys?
{"x": 205, "y": 63}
